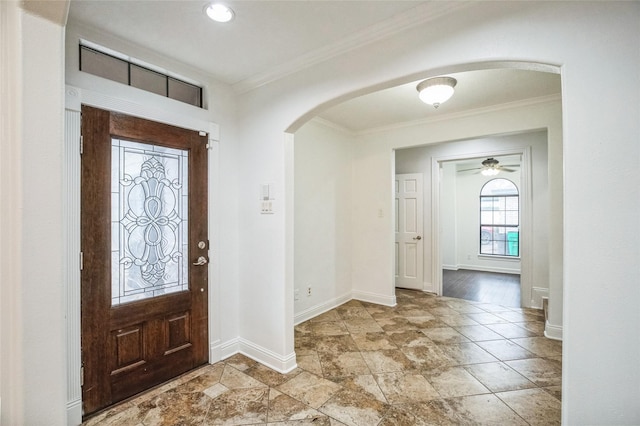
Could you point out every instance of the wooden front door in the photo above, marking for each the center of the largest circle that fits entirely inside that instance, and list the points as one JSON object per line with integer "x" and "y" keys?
{"x": 145, "y": 253}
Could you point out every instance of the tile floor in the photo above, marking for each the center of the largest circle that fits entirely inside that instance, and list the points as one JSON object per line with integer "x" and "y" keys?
{"x": 428, "y": 360}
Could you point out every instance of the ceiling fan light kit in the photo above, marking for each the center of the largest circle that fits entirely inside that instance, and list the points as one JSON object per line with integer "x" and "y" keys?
{"x": 437, "y": 90}
{"x": 491, "y": 167}
{"x": 489, "y": 172}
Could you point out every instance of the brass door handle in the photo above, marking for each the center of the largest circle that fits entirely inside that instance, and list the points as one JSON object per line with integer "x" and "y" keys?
{"x": 417, "y": 238}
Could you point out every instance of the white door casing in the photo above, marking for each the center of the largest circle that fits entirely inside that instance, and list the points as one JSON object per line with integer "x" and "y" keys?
{"x": 408, "y": 229}
{"x": 526, "y": 279}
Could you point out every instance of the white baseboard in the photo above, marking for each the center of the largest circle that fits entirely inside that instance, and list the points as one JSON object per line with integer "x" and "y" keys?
{"x": 74, "y": 413}
{"x": 490, "y": 269}
{"x": 379, "y": 299}
{"x": 229, "y": 348}
{"x": 450, "y": 267}
{"x": 266, "y": 357}
{"x": 215, "y": 351}
{"x": 314, "y": 311}
{"x": 258, "y": 353}
{"x": 552, "y": 331}
{"x": 537, "y": 294}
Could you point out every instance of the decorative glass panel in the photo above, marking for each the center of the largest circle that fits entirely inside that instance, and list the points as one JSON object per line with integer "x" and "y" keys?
{"x": 149, "y": 221}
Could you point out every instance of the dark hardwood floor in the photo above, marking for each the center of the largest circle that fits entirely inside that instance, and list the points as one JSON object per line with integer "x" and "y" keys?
{"x": 489, "y": 287}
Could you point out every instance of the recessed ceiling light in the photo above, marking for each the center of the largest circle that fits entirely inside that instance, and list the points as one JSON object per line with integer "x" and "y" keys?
{"x": 219, "y": 12}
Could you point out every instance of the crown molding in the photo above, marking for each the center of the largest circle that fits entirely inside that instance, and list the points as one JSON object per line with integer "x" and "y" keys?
{"x": 418, "y": 15}
{"x": 462, "y": 114}
{"x": 334, "y": 126}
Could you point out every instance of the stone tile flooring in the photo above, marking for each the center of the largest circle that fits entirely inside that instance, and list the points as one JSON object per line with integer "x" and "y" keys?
{"x": 428, "y": 360}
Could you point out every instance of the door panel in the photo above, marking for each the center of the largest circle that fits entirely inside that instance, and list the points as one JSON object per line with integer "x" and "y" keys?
{"x": 408, "y": 225}
{"x": 144, "y": 210}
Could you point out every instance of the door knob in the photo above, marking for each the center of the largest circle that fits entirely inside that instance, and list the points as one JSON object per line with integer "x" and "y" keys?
{"x": 417, "y": 238}
{"x": 201, "y": 261}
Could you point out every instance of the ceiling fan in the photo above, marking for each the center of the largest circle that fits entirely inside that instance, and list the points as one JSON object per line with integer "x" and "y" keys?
{"x": 491, "y": 167}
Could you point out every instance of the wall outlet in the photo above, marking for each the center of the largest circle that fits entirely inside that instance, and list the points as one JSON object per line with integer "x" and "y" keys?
{"x": 308, "y": 291}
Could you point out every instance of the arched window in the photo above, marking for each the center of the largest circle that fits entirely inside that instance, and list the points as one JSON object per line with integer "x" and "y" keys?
{"x": 499, "y": 218}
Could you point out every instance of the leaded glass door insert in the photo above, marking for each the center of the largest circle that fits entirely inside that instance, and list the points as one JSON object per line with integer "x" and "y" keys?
{"x": 149, "y": 217}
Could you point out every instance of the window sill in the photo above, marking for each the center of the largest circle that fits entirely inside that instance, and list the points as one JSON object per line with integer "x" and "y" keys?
{"x": 498, "y": 257}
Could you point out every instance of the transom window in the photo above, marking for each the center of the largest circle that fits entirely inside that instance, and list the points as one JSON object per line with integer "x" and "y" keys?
{"x": 109, "y": 66}
{"x": 499, "y": 218}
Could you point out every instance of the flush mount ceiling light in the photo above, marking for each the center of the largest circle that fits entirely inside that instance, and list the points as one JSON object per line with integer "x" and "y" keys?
{"x": 437, "y": 90}
{"x": 219, "y": 12}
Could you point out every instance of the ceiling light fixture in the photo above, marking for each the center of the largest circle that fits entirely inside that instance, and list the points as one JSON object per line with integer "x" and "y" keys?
{"x": 219, "y": 12}
{"x": 490, "y": 167}
{"x": 437, "y": 90}
{"x": 489, "y": 172}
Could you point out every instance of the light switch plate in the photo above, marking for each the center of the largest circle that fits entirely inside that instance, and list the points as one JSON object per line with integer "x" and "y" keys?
{"x": 266, "y": 207}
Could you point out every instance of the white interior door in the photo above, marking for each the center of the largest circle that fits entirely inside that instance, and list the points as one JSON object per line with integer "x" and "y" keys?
{"x": 409, "y": 222}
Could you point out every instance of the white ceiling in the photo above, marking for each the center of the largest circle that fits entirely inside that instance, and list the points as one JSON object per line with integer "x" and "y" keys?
{"x": 474, "y": 90}
{"x": 263, "y": 36}
{"x": 269, "y": 39}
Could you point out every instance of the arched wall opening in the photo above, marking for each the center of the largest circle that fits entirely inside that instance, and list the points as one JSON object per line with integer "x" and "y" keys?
{"x": 452, "y": 69}
{"x": 535, "y": 33}
{"x": 329, "y": 165}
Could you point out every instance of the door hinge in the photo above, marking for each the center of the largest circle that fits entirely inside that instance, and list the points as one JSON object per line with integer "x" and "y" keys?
{"x": 81, "y": 144}
{"x": 82, "y": 376}
{"x": 81, "y": 261}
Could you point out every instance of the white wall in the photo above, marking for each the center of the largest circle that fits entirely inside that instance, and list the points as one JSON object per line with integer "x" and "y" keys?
{"x": 323, "y": 236}
{"x": 32, "y": 357}
{"x": 591, "y": 42}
